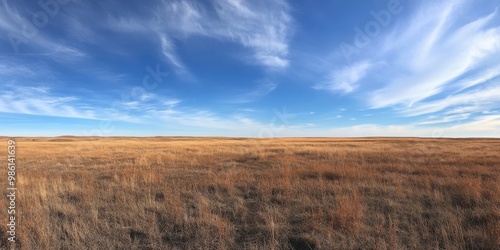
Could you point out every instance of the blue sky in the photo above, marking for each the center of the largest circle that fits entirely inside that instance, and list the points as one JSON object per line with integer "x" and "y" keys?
{"x": 261, "y": 68}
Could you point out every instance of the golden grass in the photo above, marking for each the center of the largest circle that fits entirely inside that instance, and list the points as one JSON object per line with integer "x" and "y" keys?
{"x": 216, "y": 193}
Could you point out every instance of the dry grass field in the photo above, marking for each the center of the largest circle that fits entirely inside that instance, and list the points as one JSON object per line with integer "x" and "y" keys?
{"x": 223, "y": 193}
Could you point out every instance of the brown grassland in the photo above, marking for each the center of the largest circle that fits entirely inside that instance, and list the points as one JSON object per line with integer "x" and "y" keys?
{"x": 228, "y": 193}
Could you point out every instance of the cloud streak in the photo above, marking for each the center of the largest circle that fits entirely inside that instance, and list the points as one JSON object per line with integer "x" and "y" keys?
{"x": 346, "y": 79}
{"x": 145, "y": 109}
{"x": 262, "y": 26}
{"x": 39, "y": 101}
{"x": 435, "y": 63}
{"x": 26, "y": 37}
{"x": 425, "y": 66}
{"x": 262, "y": 90}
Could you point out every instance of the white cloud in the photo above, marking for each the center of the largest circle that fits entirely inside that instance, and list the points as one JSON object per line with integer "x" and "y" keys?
{"x": 487, "y": 125}
{"x": 9, "y": 18}
{"x": 144, "y": 102}
{"x": 473, "y": 101}
{"x": 262, "y": 26}
{"x": 182, "y": 16}
{"x": 435, "y": 51}
{"x": 445, "y": 119}
{"x": 39, "y": 101}
{"x": 126, "y": 24}
{"x": 14, "y": 69}
{"x": 346, "y": 79}
{"x": 483, "y": 76}
{"x": 78, "y": 29}
{"x": 168, "y": 50}
{"x": 484, "y": 126}
{"x": 438, "y": 63}
{"x": 262, "y": 90}
{"x": 28, "y": 40}
{"x": 42, "y": 101}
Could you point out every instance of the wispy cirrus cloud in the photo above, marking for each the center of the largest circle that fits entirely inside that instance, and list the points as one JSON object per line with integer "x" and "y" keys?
{"x": 434, "y": 66}
{"x": 436, "y": 63}
{"x": 434, "y": 52}
{"x": 483, "y": 75}
{"x": 262, "y": 90}
{"x": 468, "y": 102}
{"x": 145, "y": 108}
{"x": 346, "y": 79}
{"x": 9, "y": 18}
{"x": 12, "y": 68}
{"x": 445, "y": 119}
{"x": 27, "y": 39}
{"x": 149, "y": 108}
{"x": 30, "y": 100}
{"x": 262, "y": 26}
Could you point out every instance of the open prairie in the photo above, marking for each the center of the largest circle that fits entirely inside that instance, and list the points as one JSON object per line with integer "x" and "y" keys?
{"x": 227, "y": 193}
